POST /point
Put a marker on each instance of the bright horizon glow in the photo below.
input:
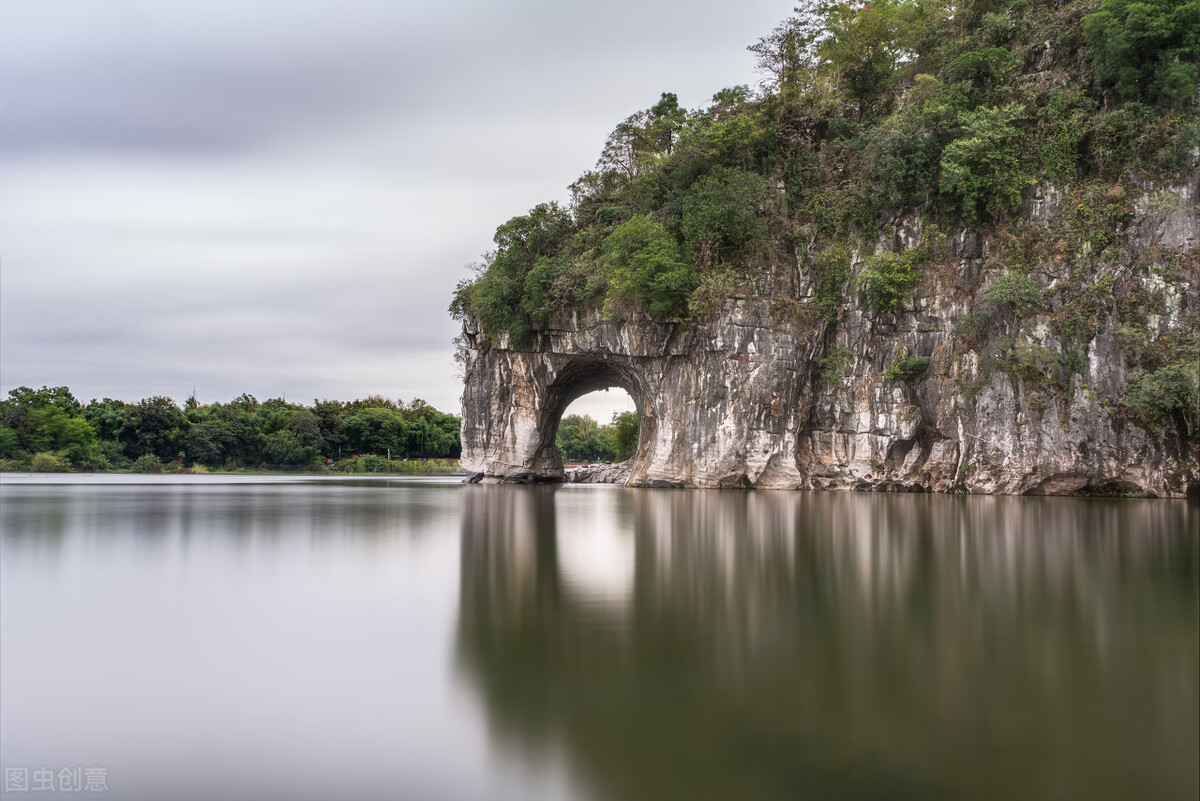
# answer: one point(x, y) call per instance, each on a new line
point(602, 404)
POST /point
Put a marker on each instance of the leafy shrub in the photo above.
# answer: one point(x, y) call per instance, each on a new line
point(1170, 392)
point(1016, 291)
point(1131, 341)
point(369, 463)
point(49, 463)
point(905, 163)
point(907, 368)
point(495, 297)
point(832, 268)
point(733, 132)
point(1076, 320)
point(1098, 215)
point(789, 310)
point(842, 211)
point(1139, 137)
point(714, 288)
point(834, 365)
point(625, 434)
point(722, 214)
point(982, 172)
point(50, 421)
point(646, 270)
point(10, 442)
point(905, 149)
point(1061, 132)
point(890, 276)
point(581, 439)
point(1145, 50)
point(147, 463)
point(538, 290)
point(973, 328)
point(982, 72)
point(286, 449)
point(159, 427)
point(1029, 361)
point(863, 41)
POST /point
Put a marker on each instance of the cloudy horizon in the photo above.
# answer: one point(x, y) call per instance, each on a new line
point(279, 200)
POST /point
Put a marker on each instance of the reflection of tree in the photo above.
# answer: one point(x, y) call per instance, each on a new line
point(265, 513)
point(781, 645)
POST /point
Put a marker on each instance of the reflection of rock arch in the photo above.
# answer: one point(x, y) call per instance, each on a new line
point(779, 645)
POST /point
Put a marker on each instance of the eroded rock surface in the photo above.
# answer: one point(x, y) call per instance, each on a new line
point(743, 401)
point(598, 473)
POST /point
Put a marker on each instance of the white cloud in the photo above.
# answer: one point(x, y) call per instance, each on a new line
point(281, 197)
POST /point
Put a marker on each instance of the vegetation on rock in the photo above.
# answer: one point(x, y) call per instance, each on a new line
point(1020, 140)
point(907, 368)
point(1016, 292)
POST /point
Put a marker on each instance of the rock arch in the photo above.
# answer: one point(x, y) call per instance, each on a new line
point(717, 406)
point(740, 402)
point(770, 391)
point(577, 377)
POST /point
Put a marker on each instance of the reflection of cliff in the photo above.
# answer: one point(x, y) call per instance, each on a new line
point(832, 645)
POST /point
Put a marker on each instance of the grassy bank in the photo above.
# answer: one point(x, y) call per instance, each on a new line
point(410, 467)
point(358, 465)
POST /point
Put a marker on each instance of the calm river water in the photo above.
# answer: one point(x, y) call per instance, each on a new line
point(201, 637)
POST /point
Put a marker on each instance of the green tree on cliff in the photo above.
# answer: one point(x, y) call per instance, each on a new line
point(1148, 50)
point(645, 268)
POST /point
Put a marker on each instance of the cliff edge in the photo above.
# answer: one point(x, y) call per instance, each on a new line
point(974, 267)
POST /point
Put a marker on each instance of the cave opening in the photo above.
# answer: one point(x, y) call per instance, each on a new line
point(601, 426)
point(594, 413)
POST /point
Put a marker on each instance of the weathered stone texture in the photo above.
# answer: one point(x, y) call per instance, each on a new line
point(738, 401)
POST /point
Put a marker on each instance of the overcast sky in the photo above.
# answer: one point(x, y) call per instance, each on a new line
point(279, 197)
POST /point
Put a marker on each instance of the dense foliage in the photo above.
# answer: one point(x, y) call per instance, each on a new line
point(1165, 386)
point(950, 110)
point(1002, 150)
point(1146, 50)
point(48, 429)
point(580, 439)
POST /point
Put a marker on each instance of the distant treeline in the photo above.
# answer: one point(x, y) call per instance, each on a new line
point(581, 439)
point(48, 429)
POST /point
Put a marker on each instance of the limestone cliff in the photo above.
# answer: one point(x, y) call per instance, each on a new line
point(761, 396)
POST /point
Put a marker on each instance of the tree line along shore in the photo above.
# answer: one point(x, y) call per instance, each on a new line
point(48, 430)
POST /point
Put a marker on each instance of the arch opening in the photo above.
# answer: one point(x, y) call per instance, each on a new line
point(600, 426)
point(581, 380)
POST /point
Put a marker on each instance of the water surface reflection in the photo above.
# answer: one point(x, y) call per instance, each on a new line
point(777, 645)
point(209, 639)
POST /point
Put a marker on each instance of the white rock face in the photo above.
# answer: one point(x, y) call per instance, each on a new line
point(598, 473)
point(740, 402)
